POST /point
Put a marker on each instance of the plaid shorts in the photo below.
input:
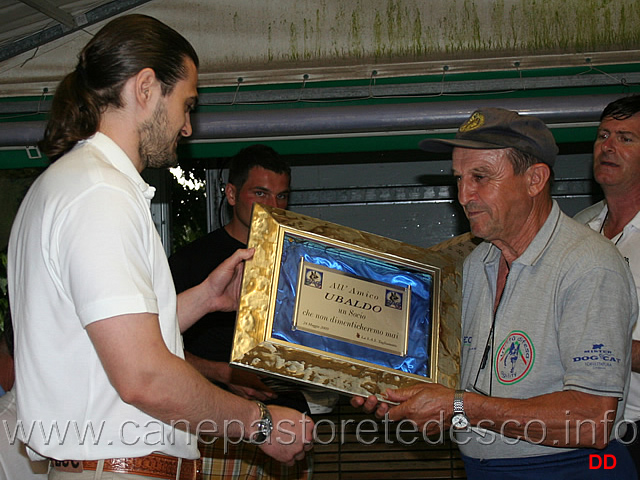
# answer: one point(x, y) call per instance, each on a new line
point(244, 461)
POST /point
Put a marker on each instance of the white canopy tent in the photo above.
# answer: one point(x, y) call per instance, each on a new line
point(292, 59)
point(296, 41)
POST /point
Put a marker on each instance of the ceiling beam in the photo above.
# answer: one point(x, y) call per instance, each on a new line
point(399, 91)
point(356, 120)
point(51, 10)
point(98, 14)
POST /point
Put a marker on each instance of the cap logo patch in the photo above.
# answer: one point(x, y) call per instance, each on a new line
point(475, 121)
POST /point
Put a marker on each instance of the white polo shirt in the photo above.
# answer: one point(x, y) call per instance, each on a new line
point(628, 242)
point(84, 248)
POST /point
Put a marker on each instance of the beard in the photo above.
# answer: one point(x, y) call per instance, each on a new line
point(157, 148)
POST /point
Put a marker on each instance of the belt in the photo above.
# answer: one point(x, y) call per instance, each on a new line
point(153, 465)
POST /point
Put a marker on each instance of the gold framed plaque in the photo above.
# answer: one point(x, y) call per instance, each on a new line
point(334, 307)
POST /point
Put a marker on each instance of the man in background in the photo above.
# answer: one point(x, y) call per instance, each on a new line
point(257, 174)
point(15, 464)
point(616, 168)
point(7, 372)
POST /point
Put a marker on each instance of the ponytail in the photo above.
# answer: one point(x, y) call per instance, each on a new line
point(73, 117)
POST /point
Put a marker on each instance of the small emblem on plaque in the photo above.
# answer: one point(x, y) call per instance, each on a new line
point(313, 278)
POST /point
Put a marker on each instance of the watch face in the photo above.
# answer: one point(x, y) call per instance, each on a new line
point(459, 421)
point(261, 435)
point(263, 426)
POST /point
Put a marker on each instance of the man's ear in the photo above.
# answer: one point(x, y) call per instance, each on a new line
point(146, 86)
point(538, 176)
point(230, 192)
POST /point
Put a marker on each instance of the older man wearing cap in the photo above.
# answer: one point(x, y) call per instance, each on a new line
point(548, 309)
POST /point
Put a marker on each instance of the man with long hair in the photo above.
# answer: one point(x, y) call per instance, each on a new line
point(96, 316)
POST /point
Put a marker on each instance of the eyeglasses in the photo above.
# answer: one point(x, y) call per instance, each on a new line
point(488, 349)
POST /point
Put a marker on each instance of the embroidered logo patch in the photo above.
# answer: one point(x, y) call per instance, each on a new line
point(598, 356)
point(475, 121)
point(515, 358)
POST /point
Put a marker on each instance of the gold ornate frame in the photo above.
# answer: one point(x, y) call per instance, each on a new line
point(255, 349)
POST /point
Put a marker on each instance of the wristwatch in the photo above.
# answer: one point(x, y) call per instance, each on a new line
point(459, 421)
point(264, 426)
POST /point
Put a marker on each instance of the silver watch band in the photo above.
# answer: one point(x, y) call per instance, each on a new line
point(264, 425)
point(458, 402)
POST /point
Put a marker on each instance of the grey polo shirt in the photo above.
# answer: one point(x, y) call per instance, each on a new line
point(564, 323)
